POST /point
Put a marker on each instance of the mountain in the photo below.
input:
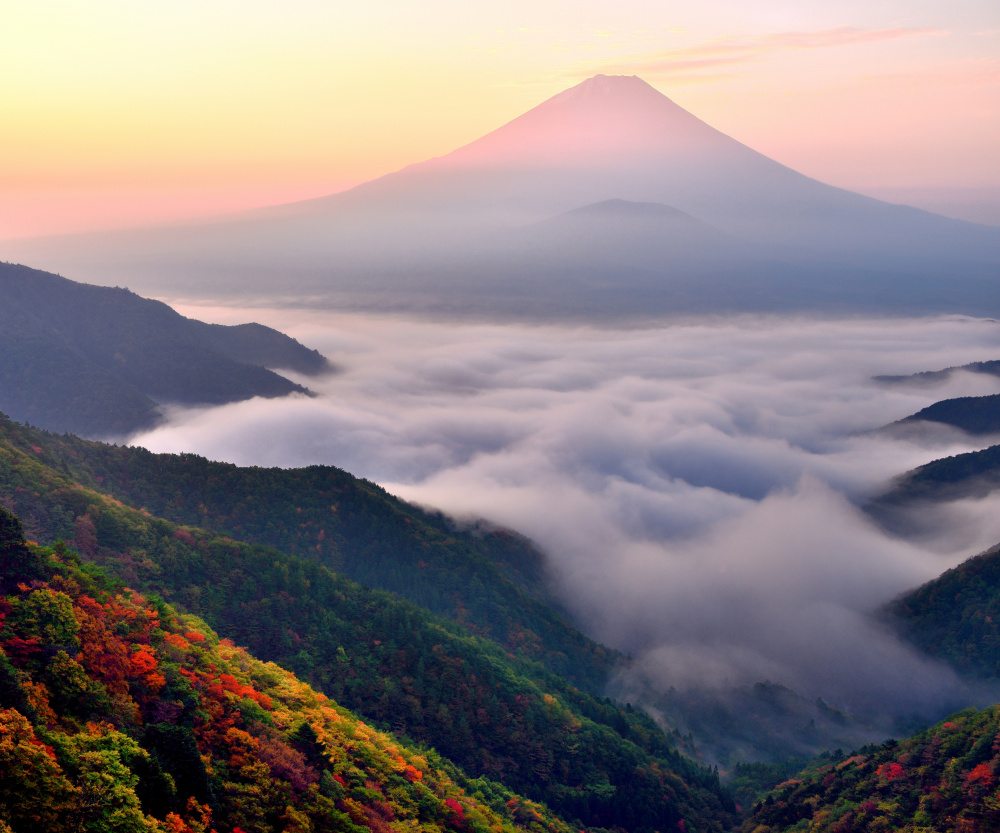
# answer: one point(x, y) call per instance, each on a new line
point(450, 232)
point(975, 415)
point(99, 361)
point(494, 711)
point(906, 506)
point(118, 713)
point(973, 474)
point(933, 377)
point(944, 778)
point(957, 616)
point(764, 723)
point(491, 581)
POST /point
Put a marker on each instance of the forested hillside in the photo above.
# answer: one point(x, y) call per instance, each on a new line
point(973, 474)
point(425, 677)
point(491, 581)
point(957, 615)
point(972, 414)
point(119, 714)
point(98, 360)
point(943, 779)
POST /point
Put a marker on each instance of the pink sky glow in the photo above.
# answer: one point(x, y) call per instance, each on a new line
point(128, 114)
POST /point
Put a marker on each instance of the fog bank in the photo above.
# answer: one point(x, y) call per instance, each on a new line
point(694, 485)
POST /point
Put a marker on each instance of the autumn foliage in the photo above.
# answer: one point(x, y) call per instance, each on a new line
point(942, 779)
point(119, 714)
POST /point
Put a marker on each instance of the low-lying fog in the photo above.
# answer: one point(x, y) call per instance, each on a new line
point(694, 484)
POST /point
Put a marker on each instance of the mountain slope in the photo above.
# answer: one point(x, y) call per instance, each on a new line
point(425, 677)
point(119, 714)
point(438, 233)
point(616, 137)
point(973, 474)
point(942, 779)
point(972, 414)
point(491, 581)
point(930, 377)
point(97, 361)
point(957, 615)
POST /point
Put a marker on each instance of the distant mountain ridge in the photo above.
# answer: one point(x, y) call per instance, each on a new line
point(929, 377)
point(98, 361)
point(975, 415)
point(973, 474)
point(443, 233)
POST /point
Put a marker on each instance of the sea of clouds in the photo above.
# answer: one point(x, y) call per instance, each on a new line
point(694, 484)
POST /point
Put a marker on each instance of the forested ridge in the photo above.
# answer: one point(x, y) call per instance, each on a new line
point(117, 713)
point(490, 580)
point(428, 678)
point(930, 377)
point(439, 634)
point(957, 616)
point(973, 474)
point(972, 414)
point(942, 779)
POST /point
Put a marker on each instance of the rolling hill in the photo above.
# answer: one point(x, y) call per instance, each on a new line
point(933, 377)
point(973, 474)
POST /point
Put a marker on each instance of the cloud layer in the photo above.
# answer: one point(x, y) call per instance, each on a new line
point(694, 485)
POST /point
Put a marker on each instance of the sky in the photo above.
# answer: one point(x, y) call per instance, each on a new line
point(116, 113)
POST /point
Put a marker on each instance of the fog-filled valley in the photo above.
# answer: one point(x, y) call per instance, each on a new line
point(697, 485)
point(602, 473)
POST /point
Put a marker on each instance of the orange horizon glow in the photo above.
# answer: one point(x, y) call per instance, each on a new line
point(123, 115)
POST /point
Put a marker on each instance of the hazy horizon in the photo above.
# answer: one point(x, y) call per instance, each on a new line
point(606, 200)
point(251, 106)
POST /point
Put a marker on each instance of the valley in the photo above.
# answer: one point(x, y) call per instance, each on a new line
point(463, 635)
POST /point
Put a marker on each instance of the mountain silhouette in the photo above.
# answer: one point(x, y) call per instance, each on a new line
point(461, 230)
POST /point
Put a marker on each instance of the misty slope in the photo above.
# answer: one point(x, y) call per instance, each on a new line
point(438, 233)
point(942, 779)
point(620, 246)
point(425, 677)
point(97, 361)
point(763, 723)
point(957, 615)
point(117, 713)
point(929, 377)
point(974, 474)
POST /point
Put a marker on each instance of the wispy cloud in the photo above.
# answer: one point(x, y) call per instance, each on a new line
point(975, 72)
point(717, 54)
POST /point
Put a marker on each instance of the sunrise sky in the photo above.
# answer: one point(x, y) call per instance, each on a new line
point(117, 113)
